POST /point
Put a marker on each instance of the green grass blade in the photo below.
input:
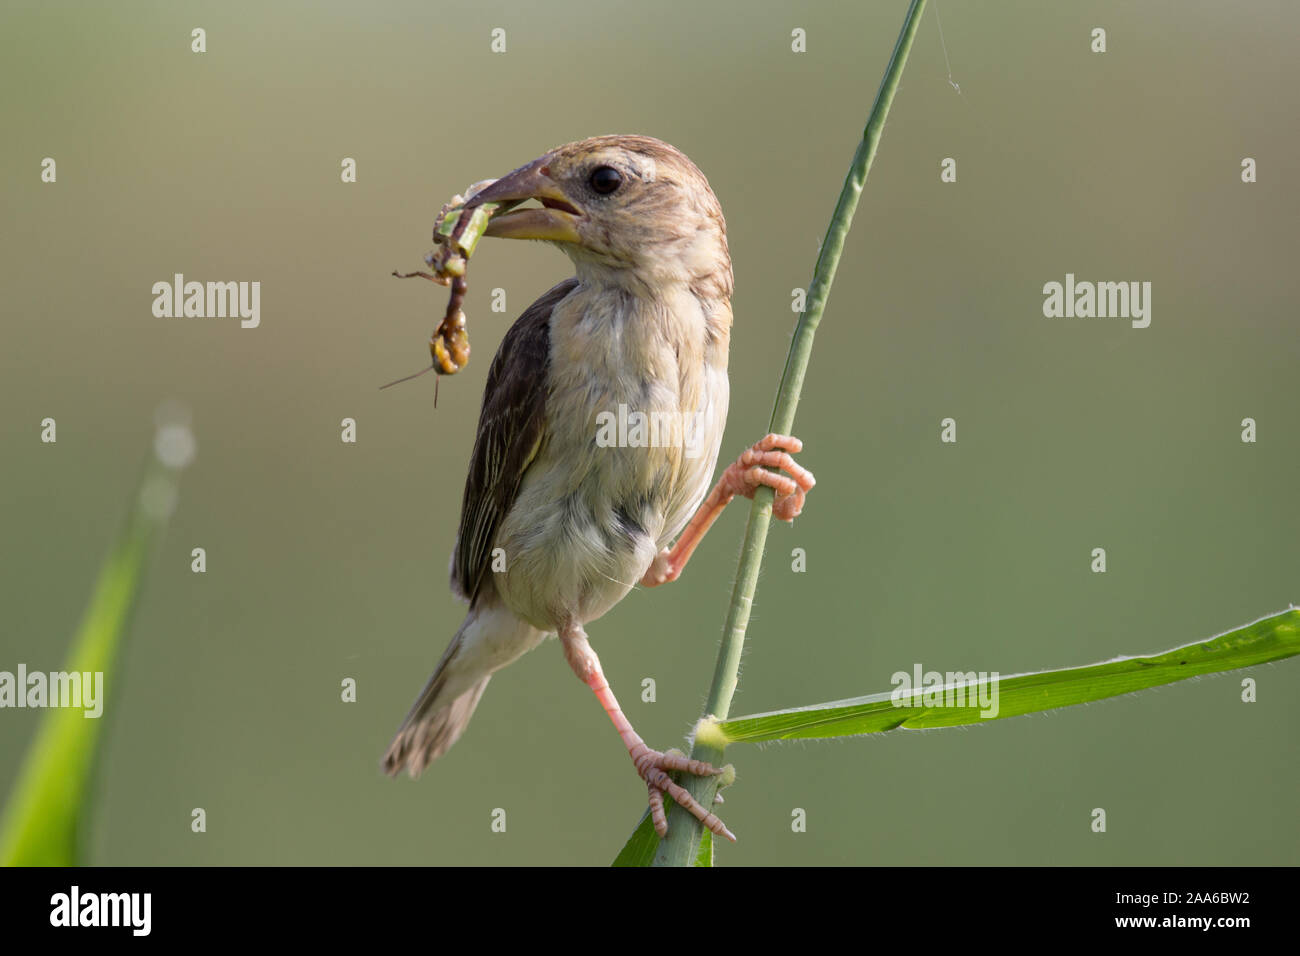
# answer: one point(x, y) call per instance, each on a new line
point(641, 845)
point(684, 832)
point(705, 856)
point(46, 808)
point(1268, 639)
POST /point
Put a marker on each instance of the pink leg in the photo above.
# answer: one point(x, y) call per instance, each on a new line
point(652, 765)
point(742, 477)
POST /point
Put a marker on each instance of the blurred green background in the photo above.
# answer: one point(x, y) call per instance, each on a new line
point(328, 561)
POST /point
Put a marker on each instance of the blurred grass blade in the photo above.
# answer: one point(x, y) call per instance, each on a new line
point(46, 807)
point(1268, 639)
point(641, 845)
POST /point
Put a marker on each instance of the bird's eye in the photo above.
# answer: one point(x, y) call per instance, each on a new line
point(606, 179)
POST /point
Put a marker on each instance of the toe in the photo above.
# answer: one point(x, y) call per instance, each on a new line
point(678, 761)
point(654, 767)
point(785, 442)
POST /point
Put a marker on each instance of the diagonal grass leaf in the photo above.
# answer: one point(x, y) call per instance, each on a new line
point(642, 844)
point(1271, 638)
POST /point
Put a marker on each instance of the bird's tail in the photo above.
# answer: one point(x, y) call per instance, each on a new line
point(488, 639)
point(427, 734)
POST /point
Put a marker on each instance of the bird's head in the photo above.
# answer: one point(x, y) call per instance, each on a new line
point(626, 209)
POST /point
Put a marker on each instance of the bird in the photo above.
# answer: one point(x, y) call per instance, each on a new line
point(599, 433)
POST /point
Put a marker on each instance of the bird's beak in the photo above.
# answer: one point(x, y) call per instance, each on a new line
point(557, 220)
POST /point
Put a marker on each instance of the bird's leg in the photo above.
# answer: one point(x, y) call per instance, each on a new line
point(652, 765)
point(420, 275)
point(742, 477)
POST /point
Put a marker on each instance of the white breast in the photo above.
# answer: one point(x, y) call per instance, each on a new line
point(592, 513)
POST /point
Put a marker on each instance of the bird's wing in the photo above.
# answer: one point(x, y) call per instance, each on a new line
point(511, 430)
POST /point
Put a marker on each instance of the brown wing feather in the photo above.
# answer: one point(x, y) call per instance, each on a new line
point(511, 428)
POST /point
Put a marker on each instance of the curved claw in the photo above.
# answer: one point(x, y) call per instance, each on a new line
point(653, 765)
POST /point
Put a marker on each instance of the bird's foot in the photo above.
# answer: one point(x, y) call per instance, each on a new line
point(750, 472)
point(742, 477)
point(654, 767)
